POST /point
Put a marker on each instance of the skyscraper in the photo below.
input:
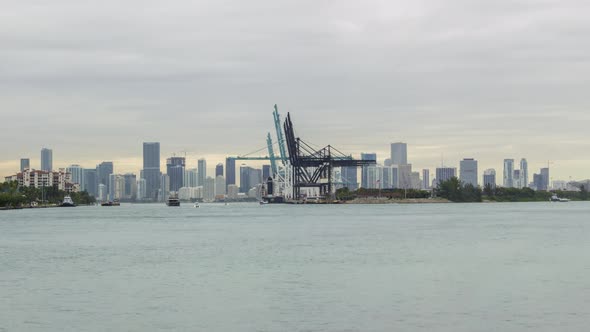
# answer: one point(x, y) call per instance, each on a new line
point(76, 174)
point(164, 187)
point(365, 169)
point(445, 173)
point(46, 160)
point(103, 171)
point(218, 170)
point(349, 177)
point(508, 173)
point(544, 179)
point(524, 173)
point(489, 178)
point(151, 169)
point(25, 163)
point(230, 171)
point(249, 178)
point(265, 172)
point(468, 171)
point(175, 170)
point(399, 153)
point(202, 166)
point(191, 178)
point(90, 183)
point(404, 176)
point(425, 179)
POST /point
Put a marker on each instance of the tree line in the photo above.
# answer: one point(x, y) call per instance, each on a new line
point(11, 195)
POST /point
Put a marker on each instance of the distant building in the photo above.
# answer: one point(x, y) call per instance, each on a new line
point(404, 176)
point(175, 171)
point(230, 172)
point(25, 163)
point(516, 179)
point(60, 179)
point(399, 153)
point(202, 166)
point(415, 181)
point(191, 178)
point(544, 178)
point(220, 189)
point(266, 172)
point(489, 178)
point(559, 185)
point(445, 173)
point(219, 170)
point(524, 173)
point(249, 177)
point(90, 183)
point(468, 171)
point(103, 171)
point(425, 179)
point(141, 189)
point(164, 187)
point(77, 174)
point(508, 173)
point(116, 186)
point(387, 162)
point(151, 169)
point(365, 182)
point(46, 160)
point(232, 191)
point(209, 189)
point(103, 194)
point(349, 177)
point(130, 189)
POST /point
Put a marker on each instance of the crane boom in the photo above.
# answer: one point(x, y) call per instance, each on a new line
point(271, 154)
point(280, 136)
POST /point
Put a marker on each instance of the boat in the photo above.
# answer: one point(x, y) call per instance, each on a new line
point(196, 205)
point(67, 202)
point(111, 203)
point(263, 202)
point(555, 198)
point(173, 201)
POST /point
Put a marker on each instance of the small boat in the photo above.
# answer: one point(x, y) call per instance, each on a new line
point(68, 202)
point(173, 201)
point(111, 203)
point(554, 198)
point(263, 202)
point(196, 205)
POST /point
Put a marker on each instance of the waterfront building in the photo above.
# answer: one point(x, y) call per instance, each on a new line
point(468, 171)
point(130, 189)
point(489, 178)
point(103, 171)
point(365, 169)
point(90, 182)
point(191, 178)
point(25, 163)
point(249, 177)
point(349, 177)
point(445, 173)
point(232, 191)
point(77, 174)
point(102, 192)
point(175, 171)
point(386, 177)
point(46, 160)
point(164, 188)
point(425, 179)
point(404, 176)
point(230, 172)
point(544, 179)
point(266, 173)
point(151, 169)
point(202, 167)
point(387, 162)
point(558, 185)
point(116, 186)
point(209, 189)
point(508, 173)
point(219, 170)
point(524, 173)
point(220, 189)
point(141, 189)
point(415, 182)
point(516, 179)
point(399, 153)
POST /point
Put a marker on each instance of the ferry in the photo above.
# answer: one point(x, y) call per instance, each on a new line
point(173, 201)
point(68, 202)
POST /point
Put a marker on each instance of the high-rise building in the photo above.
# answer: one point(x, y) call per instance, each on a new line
point(175, 171)
point(46, 160)
point(265, 172)
point(365, 169)
point(544, 178)
point(209, 189)
point(249, 178)
point(164, 187)
point(425, 179)
point(191, 178)
point(516, 180)
point(415, 181)
point(151, 169)
point(103, 171)
point(445, 173)
point(524, 173)
point(404, 176)
point(508, 173)
point(77, 174)
point(90, 183)
point(349, 177)
point(219, 170)
point(202, 166)
point(399, 153)
point(141, 189)
point(489, 178)
point(116, 186)
point(130, 189)
point(468, 171)
point(25, 163)
point(220, 189)
point(230, 172)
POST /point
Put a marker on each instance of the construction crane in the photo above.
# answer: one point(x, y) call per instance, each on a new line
point(280, 136)
point(271, 154)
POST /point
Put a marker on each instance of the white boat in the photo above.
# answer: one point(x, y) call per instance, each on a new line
point(554, 198)
point(68, 202)
point(196, 205)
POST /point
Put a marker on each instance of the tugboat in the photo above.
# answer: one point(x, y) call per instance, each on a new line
point(68, 202)
point(173, 200)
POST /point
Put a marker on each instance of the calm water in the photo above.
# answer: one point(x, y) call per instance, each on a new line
point(245, 267)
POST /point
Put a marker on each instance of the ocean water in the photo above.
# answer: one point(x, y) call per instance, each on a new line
point(245, 267)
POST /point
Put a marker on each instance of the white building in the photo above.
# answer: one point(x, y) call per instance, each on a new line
point(220, 187)
point(141, 189)
point(232, 191)
point(209, 189)
point(508, 173)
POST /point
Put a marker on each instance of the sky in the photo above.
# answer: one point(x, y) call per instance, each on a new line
point(490, 80)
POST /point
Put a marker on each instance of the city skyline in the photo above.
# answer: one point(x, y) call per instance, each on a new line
point(458, 78)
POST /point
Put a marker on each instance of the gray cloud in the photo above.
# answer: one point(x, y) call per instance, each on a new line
point(464, 78)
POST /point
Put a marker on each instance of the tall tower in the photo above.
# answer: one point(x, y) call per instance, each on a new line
point(230, 171)
point(524, 173)
point(151, 169)
point(202, 166)
point(46, 160)
point(25, 163)
point(508, 173)
point(399, 153)
point(468, 171)
point(219, 170)
point(175, 170)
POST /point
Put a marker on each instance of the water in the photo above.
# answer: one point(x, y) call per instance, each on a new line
point(245, 267)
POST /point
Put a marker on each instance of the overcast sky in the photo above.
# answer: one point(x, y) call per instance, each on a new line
point(484, 79)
